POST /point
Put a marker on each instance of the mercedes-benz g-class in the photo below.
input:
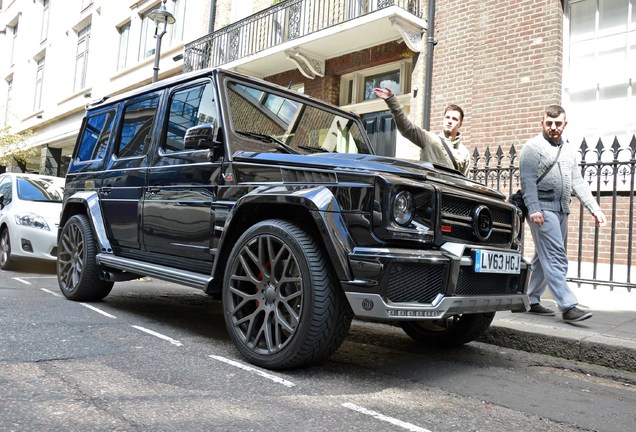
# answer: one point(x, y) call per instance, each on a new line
point(275, 203)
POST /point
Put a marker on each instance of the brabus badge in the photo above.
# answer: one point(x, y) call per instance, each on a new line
point(367, 304)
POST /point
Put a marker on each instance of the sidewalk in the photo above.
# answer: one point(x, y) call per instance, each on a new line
point(606, 339)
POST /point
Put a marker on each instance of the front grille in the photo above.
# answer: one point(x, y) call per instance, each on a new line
point(477, 284)
point(415, 283)
point(457, 213)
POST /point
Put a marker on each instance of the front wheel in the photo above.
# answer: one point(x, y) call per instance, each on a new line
point(449, 332)
point(77, 270)
point(6, 262)
point(282, 304)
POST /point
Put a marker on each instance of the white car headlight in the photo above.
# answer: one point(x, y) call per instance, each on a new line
point(32, 220)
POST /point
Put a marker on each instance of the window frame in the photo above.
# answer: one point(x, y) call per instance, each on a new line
point(355, 82)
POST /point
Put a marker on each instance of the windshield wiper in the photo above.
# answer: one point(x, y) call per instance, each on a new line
point(268, 139)
point(314, 149)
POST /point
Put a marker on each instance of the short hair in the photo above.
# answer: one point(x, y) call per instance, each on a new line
point(453, 107)
point(554, 111)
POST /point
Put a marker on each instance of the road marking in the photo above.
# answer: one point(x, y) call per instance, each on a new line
point(51, 292)
point(38, 277)
point(394, 421)
point(106, 314)
point(159, 335)
point(22, 280)
point(274, 378)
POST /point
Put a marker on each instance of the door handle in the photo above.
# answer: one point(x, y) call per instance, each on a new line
point(153, 190)
point(105, 190)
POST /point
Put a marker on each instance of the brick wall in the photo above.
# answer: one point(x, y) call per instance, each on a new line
point(500, 61)
point(328, 87)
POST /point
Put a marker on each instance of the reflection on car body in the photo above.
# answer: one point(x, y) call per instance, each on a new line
point(275, 203)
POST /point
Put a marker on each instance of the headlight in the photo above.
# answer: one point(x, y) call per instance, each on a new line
point(402, 210)
point(517, 224)
point(32, 220)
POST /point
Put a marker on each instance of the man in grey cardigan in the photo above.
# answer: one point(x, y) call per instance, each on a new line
point(447, 149)
point(548, 203)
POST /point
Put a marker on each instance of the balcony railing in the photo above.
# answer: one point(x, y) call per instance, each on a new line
point(286, 21)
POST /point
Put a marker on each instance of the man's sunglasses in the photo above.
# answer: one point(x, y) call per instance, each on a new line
point(549, 123)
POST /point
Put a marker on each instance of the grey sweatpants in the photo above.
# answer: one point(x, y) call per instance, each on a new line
point(550, 262)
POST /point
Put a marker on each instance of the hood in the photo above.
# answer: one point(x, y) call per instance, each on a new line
point(411, 169)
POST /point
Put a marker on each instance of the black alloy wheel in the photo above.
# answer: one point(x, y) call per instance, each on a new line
point(283, 307)
point(77, 270)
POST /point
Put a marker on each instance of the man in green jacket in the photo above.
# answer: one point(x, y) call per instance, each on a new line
point(445, 149)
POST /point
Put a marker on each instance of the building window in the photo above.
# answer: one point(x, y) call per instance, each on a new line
point(600, 70)
point(86, 4)
point(147, 40)
point(39, 80)
point(358, 87)
point(179, 13)
point(13, 41)
point(81, 58)
point(7, 106)
point(45, 20)
point(122, 55)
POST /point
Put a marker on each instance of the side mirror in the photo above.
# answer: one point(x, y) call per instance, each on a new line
point(1, 201)
point(202, 137)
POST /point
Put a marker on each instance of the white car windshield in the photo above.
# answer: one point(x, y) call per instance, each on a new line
point(39, 189)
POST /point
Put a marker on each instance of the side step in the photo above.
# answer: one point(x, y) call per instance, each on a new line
point(170, 274)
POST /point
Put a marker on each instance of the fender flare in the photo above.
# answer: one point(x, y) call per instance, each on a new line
point(325, 211)
point(90, 201)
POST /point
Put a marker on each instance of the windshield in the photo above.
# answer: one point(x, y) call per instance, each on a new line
point(40, 189)
point(293, 125)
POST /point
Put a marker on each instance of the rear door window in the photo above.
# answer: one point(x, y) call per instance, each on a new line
point(136, 129)
point(95, 137)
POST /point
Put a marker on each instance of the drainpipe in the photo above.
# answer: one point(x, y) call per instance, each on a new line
point(428, 78)
point(212, 16)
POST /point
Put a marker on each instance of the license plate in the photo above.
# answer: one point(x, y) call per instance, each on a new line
point(487, 261)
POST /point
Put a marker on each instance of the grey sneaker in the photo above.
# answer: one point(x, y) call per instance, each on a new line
point(575, 314)
point(537, 309)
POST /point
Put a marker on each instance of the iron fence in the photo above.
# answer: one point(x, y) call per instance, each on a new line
point(278, 24)
point(602, 256)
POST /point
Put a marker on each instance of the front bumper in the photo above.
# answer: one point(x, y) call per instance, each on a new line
point(406, 284)
point(27, 242)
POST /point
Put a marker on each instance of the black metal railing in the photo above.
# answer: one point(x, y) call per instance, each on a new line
point(285, 21)
point(603, 256)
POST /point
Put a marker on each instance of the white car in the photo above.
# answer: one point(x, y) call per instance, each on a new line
point(30, 207)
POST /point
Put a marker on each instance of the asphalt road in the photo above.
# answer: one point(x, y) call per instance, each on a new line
point(156, 357)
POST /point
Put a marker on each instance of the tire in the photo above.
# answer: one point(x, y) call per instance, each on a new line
point(282, 304)
point(6, 262)
point(77, 270)
point(450, 332)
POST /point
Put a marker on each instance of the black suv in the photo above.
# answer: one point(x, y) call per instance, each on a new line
point(274, 203)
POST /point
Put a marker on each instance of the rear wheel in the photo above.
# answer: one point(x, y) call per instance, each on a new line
point(77, 270)
point(282, 304)
point(452, 331)
point(6, 262)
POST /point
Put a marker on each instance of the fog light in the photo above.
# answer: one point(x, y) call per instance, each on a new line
point(27, 246)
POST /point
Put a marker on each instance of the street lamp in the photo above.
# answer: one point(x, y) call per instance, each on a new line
point(160, 16)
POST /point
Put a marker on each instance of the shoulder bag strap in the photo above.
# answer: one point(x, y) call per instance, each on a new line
point(450, 153)
point(551, 165)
